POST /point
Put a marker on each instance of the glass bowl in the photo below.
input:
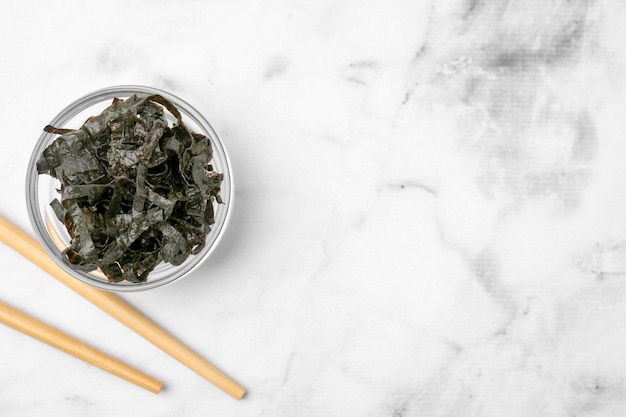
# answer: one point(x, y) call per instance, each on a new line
point(42, 189)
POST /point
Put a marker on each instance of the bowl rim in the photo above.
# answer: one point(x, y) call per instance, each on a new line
point(74, 109)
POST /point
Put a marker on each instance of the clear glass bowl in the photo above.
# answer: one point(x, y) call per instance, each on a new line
point(42, 189)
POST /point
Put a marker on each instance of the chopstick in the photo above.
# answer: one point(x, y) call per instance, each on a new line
point(28, 247)
point(24, 323)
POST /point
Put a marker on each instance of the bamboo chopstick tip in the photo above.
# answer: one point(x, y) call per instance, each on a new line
point(238, 394)
point(157, 388)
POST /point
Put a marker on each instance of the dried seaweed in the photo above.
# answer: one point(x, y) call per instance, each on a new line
point(135, 191)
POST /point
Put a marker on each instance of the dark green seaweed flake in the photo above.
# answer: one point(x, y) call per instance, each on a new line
point(134, 191)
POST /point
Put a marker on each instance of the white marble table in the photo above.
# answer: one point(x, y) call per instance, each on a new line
point(430, 213)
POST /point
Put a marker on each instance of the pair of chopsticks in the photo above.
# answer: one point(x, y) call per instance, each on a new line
point(113, 305)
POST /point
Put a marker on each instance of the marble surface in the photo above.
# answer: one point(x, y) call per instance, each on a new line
point(430, 213)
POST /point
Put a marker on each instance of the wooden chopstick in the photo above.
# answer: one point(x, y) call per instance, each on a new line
point(28, 247)
point(24, 323)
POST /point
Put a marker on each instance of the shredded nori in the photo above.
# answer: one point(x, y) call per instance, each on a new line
point(134, 191)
